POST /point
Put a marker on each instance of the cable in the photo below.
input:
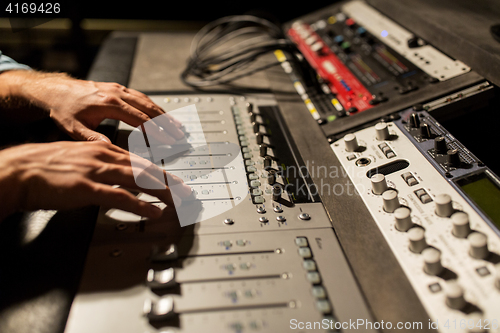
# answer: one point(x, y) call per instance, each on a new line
point(227, 49)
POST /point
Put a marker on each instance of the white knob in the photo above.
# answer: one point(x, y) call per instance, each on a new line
point(444, 207)
point(432, 261)
point(461, 225)
point(351, 143)
point(403, 219)
point(454, 295)
point(417, 239)
point(379, 184)
point(382, 131)
point(390, 200)
point(478, 245)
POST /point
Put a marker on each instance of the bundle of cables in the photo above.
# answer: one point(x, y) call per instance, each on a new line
point(227, 49)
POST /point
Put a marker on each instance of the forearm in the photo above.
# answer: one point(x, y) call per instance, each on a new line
point(26, 95)
point(31, 86)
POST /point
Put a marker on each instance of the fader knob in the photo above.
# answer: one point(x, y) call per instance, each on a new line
point(414, 120)
point(379, 184)
point(403, 219)
point(382, 131)
point(440, 145)
point(432, 261)
point(390, 200)
point(454, 295)
point(416, 236)
point(351, 142)
point(444, 207)
point(461, 225)
point(478, 245)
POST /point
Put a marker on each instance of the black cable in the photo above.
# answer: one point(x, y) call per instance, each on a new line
point(217, 57)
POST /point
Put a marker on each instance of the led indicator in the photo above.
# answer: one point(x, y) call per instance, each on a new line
point(384, 33)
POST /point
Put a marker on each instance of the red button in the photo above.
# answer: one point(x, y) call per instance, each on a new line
point(349, 21)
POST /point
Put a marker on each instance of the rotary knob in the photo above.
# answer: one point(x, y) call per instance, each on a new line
point(454, 295)
point(271, 177)
point(461, 225)
point(403, 219)
point(268, 161)
point(249, 107)
point(379, 184)
point(453, 158)
point(416, 236)
point(444, 207)
point(432, 261)
point(414, 120)
point(390, 200)
point(253, 117)
point(277, 192)
point(382, 131)
point(263, 150)
point(259, 138)
point(478, 245)
point(425, 131)
point(256, 127)
point(351, 142)
point(440, 145)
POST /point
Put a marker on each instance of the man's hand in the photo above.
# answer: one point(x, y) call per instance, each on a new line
point(66, 175)
point(78, 106)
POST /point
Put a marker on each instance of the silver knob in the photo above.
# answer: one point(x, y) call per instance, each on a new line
point(461, 225)
point(403, 219)
point(432, 261)
point(444, 207)
point(382, 131)
point(478, 245)
point(351, 143)
point(390, 200)
point(454, 295)
point(417, 239)
point(379, 184)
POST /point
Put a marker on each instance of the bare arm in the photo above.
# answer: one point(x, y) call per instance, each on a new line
point(67, 175)
point(78, 106)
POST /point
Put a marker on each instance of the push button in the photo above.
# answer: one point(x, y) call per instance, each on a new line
point(301, 241)
point(305, 252)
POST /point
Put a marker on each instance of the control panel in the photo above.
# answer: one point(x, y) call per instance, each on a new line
point(435, 203)
point(353, 58)
point(269, 262)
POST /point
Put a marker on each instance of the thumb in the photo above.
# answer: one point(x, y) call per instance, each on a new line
point(86, 134)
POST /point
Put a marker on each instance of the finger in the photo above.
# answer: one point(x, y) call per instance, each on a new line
point(153, 111)
point(134, 117)
point(141, 95)
point(134, 179)
point(175, 183)
point(119, 198)
point(83, 133)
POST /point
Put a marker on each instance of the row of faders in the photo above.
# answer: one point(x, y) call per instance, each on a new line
point(265, 261)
